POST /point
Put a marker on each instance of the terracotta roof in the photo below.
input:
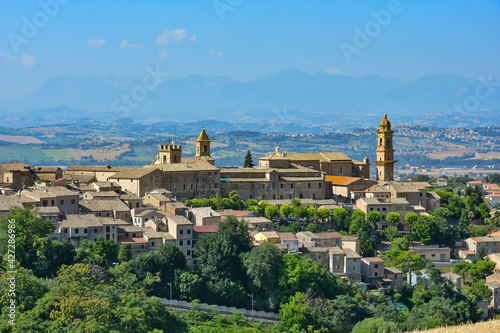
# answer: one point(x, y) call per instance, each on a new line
point(130, 240)
point(342, 181)
point(287, 236)
point(474, 182)
point(204, 212)
point(493, 195)
point(270, 234)
point(205, 228)
point(464, 250)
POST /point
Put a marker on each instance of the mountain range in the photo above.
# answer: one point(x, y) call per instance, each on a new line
point(288, 96)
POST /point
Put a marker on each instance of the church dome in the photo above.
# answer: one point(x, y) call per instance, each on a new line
point(385, 122)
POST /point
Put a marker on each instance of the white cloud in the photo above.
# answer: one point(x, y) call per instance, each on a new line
point(26, 60)
point(96, 42)
point(332, 70)
point(162, 55)
point(133, 46)
point(171, 36)
point(215, 52)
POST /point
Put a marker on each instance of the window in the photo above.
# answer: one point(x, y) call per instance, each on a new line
point(375, 274)
point(134, 235)
point(337, 257)
point(152, 243)
point(98, 213)
point(126, 234)
point(433, 255)
point(188, 242)
point(291, 185)
point(95, 239)
point(181, 243)
point(354, 268)
point(384, 209)
point(336, 266)
point(85, 231)
point(319, 185)
point(95, 230)
point(44, 203)
point(308, 184)
point(65, 230)
point(142, 246)
point(72, 212)
point(188, 252)
point(184, 186)
point(181, 232)
point(189, 231)
point(73, 201)
point(341, 169)
point(376, 266)
point(76, 231)
point(107, 228)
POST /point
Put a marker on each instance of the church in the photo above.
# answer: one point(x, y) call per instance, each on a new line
point(278, 176)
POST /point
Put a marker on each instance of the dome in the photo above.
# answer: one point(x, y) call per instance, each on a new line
point(385, 122)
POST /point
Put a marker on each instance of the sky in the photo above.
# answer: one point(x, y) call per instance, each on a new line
point(244, 39)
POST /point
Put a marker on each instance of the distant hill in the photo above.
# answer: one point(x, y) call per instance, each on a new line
point(288, 96)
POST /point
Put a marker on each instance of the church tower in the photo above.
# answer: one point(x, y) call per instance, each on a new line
point(203, 144)
point(169, 154)
point(385, 152)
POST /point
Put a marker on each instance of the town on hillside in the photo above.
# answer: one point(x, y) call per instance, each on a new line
point(377, 234)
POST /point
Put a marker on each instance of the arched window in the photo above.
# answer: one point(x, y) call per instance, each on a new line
point(164, 159)
point(381, 141)
point(204, 149)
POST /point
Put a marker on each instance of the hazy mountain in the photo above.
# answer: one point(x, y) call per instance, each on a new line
point(285, 96)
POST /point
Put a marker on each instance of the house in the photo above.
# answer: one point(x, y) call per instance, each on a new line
point(289, 241)
point(106, 208)
point(433, 253)
point(384, 206)
point(490, 243)
point(175, 208)
point(133, 236)
point(372, 268)
point(267, 236)
point(76, 228)
point(352, 265)
point(106, 186)
point(131, 200)
point(442, 182)
point(204, 216)
point(102, 195)
point(15, 175)
point(352, 243)
point(99, 173)
point(337, 261)
point(182, 230)
point(140, 216)
point(495, 291)
point(474, 183)
point(66, 200)
point(156, 199)
point(307, 239)
point(137, 180)
point(396, 277)
point(464, 253)
point(492, 199)
point(348, 187)
point(258, 222)
point(455, 278)
point(328, 239)
point(491, 188)
point(496, 258)
point(319, 254)
point(47, 173)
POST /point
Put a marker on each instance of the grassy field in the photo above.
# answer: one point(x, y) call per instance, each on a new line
point(491, 326)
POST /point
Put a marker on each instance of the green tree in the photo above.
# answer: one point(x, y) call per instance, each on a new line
point(411, 219)
point(401, 243)
point(374, 217)
point(478, 231)
point(272, 211)
point(27, 227)
point(312, 227)
point(393, 218)
point(296, 314)
point(296, 202)
point(341, 217)
point(323, 214)
point(286, 210)
point(125, 254)
point(263, 265)
point(300, 212)
point(481, 269)
point(375, 325)
point(261, 208)
point(311, 212)
point(404, 260)
point(482, 253)
point(359, 223)
point(425, 228)
point(188, 285)
point(358, 214)
point(480, 290)
point(248, 160)
point(51, 255)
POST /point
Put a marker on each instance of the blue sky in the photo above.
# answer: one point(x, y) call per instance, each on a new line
point(244, 39)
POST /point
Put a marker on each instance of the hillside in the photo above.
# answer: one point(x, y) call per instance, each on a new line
point(482, 327)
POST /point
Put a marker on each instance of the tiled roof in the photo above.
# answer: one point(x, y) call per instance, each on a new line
point(204, 212)
point(198, 165)
point(94, 168)
point(287, 236)
point(203, 136)
point(104, 194)
point(392, 270)
point(6, 202)
point(350, 254)
point(131, 241)
point(205, 228)
point(270, 234)
point(328, 235)
point(132, 173)
point(81, 221)
point(17, 166)
point(179, 220)
point(373, 259)
point(44, 169)
point(48, 210)
point(102, 205)
point(493, 195)
point(110, 221)
point(342, 181)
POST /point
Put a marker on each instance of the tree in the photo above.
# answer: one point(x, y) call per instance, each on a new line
point(286, 210)
point(425, 229)
point(359, 223)
point(480, 290)
point(188, 284)
point(323, 214)
point(341, 217)
point(443, 212)
point(401, 243)
point(105, 251)
point(445, 233)
point(261, 208)
point(51, 255)
point(404, 260)
point(311, 212)
point(272, 211)
point(393, 218)
point(358, 214)
point(494, 178)
point(125, 254)
point(300, 212)
point(482, 253)
point(374, 217)
point(375, 325)
point(484, 210)
point(28, 226)
point(312, 227)
point(248, 160)
point(263, 265)
point(296, 202)
point(411, 219)
point(481, 269)
point(295, 314)
point(478, 231)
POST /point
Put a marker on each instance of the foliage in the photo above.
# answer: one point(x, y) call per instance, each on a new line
point(125, 254)
point(425, 228)
point(374, 217)
point(341, 217)
point(272, 211)
point(323, 213)
point(188, 285)
point(248, 160)
point(478, 231)
point(392, 233)
point(403, 260)
point(286, 210)
point(375, 325)
point(296, 314)
point(401, 243)
point(393, 218)
point(480, 290)
point(312, 227)
point(51, 255)
point(102, 252)
point(28, 227)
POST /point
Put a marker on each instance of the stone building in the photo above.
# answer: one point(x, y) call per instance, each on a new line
point(15, 175)
point(385, 151)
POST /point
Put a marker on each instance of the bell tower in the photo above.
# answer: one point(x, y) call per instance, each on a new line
point(203, 144)
point(169, 154)
point(385, 152)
